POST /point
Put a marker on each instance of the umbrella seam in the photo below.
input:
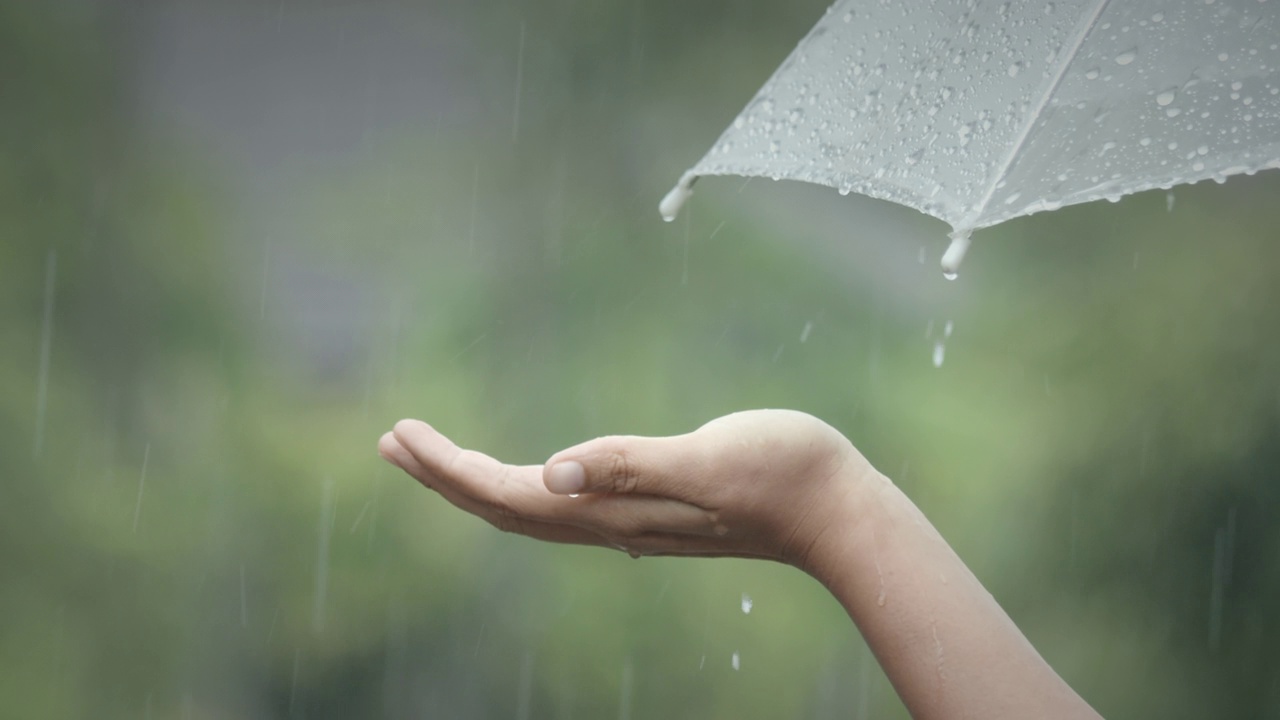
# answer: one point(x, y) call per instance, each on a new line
point(1070, 57)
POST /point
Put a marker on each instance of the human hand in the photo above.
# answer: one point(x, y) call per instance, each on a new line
point(759, 484)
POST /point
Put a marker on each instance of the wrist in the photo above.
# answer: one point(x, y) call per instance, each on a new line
point(842, 519)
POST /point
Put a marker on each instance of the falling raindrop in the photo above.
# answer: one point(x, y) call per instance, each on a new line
point(142, 483)
point(625, 691)
point(1216, 593)
point(746, 604)
point(475, 199)
point(515, 114)
point(804, 334)
point(46, 346)
point(939, 353)
point(322, 555)
point(736, 661)
point(524, 695)
point(1168, 201)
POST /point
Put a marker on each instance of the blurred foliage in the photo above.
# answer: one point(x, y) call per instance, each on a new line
point(195, 524)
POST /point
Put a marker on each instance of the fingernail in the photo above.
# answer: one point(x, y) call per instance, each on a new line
point(566, 477)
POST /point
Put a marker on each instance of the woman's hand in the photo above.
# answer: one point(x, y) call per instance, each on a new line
point(785, 486)
point(756, 484)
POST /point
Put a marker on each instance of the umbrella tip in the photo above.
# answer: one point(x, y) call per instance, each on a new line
point(954, 255)
point(674, 200)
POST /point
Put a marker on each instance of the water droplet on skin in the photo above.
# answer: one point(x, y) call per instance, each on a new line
point(573, 495)
point(880, 598)
point(746, 604)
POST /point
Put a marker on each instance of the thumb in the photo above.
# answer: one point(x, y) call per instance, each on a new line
point(618, 464)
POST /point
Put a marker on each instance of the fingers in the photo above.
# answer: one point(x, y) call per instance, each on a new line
point(395, 453)
point(627, 465)
point(511, 497)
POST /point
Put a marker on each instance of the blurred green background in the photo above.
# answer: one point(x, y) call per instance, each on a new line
point(240, 240)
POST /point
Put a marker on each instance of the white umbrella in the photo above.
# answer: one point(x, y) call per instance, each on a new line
point(979, 111)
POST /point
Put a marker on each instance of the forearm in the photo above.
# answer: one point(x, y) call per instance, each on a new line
point(944, 642)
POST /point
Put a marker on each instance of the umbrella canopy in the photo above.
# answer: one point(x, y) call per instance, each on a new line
point(979, 111)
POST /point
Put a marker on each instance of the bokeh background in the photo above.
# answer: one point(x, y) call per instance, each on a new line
point(238, 240)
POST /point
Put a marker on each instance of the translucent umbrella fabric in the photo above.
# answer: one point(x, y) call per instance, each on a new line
point(976, 112)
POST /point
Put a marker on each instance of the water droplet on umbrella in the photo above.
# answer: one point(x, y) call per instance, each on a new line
point(954, 255)
point(1125, 58)
point(1166, 97)
point(677, 197)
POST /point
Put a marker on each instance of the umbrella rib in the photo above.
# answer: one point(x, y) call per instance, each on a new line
point(1068, 58)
